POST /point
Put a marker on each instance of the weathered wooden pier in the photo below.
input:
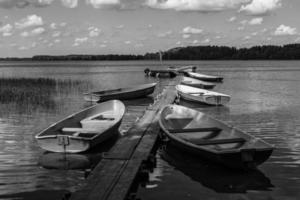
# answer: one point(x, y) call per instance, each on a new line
point(114, 175)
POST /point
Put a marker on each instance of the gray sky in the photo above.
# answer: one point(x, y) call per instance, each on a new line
point(55, 27)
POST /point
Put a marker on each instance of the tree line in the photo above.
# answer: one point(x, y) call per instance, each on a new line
point(265, 52)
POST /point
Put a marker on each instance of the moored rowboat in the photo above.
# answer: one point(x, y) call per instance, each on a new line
point(204, 77)
point(197, 83)
point(163, 73)
point(83, 130)
point(199, 134)
point(121, 93)
point(201, 95)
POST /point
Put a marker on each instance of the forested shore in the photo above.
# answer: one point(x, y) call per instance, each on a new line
point(266, 52)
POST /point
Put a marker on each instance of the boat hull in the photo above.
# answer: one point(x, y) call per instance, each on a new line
point(83, 130)
point(198, 134)
point(161, 73)
point(232, 160)
point(197, 83)
point(70, 144)
point(123, 94)
point(216, 99)
point(204, 77)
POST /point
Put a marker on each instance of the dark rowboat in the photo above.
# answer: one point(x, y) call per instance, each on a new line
point(162, 73)
point(209, 138)
point(204, 77)
point(83, 130)
point(121, 93)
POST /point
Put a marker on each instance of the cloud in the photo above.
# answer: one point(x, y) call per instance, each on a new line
point(260, 7)
point(34, 32)
point(94, 32)
point(53, 26)
point(232, 19)
point(285, 30)
point(191, 30)
point(206, 41)
point(56, 34)
point(70, 3)
point(29, 21)
point(256, 21)
point(38, 31)
point(247, 37)
point(79, 41)
point(186, 36)
point(165, 34)
point(195, 5)
point(103, 3)
point(8, 4)
point(6, 28)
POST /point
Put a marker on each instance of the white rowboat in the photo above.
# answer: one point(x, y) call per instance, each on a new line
point(83, 130)
point(201, 95)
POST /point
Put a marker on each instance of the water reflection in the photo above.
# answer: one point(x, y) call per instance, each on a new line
point(215, 177)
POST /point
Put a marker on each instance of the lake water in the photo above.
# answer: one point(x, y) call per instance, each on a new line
point(264, 102)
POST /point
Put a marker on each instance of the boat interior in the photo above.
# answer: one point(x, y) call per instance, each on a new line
point(92, 125)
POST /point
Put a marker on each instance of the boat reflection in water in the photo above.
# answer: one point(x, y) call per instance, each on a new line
point(213, 176)
point(82, 161)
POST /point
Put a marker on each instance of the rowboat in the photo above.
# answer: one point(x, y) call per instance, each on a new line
point(208, 173)
point(201, 95)
point(204, 77)
point(184, 69)
point(197, 83)
point(83, 130)
point(197, 133)
point(163, 73)
point(121, 93)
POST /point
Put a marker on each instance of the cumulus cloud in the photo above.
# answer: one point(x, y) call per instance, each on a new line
point(6, 28)
point(79, 41)
point(29, 21)
point(256, 21)
point(186, 36)
point(232, 19)
point(260, 7)
point(165, 34)
point(103, 3)
point(33, 32)
point(70, 3)
point(56, 34)
point(8, 4)
point(206, 41)
point(195, 5)
point(191, 30)
point(285, 30)
point(94, 32)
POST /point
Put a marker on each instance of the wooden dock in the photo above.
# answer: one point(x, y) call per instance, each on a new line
point(112, 178)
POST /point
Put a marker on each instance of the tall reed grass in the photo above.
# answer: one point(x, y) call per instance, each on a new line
point(35, 91)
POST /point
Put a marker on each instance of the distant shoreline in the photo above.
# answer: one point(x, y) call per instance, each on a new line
point(266, 52)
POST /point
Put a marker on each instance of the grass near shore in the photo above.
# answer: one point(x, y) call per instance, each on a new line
point(36, 91)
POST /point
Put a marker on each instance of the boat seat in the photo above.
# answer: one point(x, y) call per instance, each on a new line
point(98, 121)
point(193, 130)
point(81, 132)
point(218, 141)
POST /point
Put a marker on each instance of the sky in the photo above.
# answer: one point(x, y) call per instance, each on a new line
point(62, 27)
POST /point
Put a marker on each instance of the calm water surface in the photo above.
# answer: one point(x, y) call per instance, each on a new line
point(265, 102)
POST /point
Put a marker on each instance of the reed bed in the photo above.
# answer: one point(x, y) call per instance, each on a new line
point(35, 91)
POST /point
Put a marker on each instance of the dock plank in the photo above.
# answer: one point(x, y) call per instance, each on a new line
point(114, 175)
